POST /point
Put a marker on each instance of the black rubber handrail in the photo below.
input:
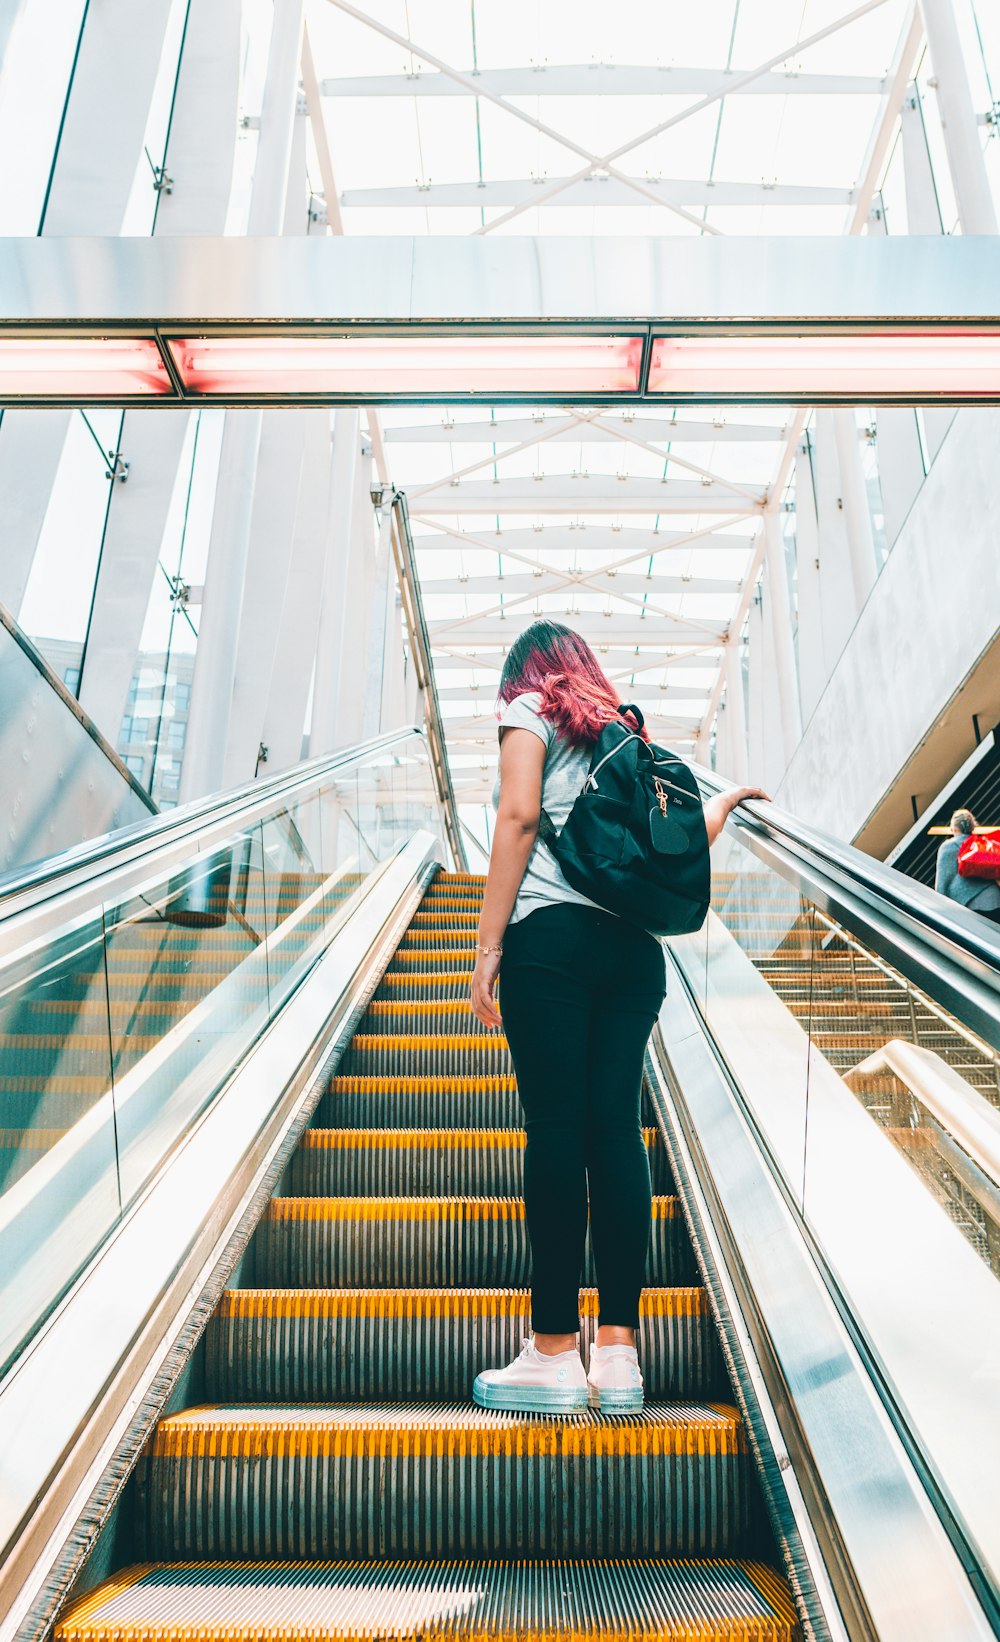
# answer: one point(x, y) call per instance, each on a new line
point(914, 928)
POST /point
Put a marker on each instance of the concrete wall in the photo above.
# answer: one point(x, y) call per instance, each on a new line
point(896, 716)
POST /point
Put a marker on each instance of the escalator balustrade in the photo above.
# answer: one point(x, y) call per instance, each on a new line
point(337, 1480)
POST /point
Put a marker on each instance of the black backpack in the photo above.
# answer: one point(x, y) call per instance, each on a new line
point(635, 840)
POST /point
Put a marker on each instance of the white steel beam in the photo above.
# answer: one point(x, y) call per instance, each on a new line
point(298, 633)
point(583, 493)
point(626, 544)
point(597, 627)
point(487, 659)
point(857, 512)
point(515, 429)
point(735, 83)
point(610, 583)
point(119, 54)
point(779, 613)
point(605, 80)
point(476, 89)
point(200, 154)
point(218, 634)
point(272, 531)
point(593, 190)
point(735, 749)
point(976, 210)
point(343, 492)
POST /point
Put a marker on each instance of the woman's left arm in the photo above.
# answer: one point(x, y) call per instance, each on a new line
point(719, 808)
point(522, 761)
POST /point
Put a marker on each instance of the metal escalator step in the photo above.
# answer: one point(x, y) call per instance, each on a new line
point(421, 1016)
point(441, 1480)
point(455, 1162)
point(438, 938)
point(427, 1055)
point(434, 958)
point(416, 1242)
point(635, 1601)
point(400, 985)
point(427, 917)
point(421, 1102)
point(346, 1345)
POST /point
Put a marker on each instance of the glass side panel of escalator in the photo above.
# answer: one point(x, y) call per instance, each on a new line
point(116, 1031)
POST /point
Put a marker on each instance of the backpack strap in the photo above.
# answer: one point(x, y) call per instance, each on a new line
point(546, 829)
point(633, 711)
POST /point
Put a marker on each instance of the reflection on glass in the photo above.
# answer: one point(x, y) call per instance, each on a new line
point(57, 1131)
point(117, 1034)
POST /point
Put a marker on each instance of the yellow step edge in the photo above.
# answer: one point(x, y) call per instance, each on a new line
point(87, 1620)
point(416, 1303)
point(363, 1140)
point(295, 1210)
point(425, 1040)
point(397, 1432)
point(437, 977)
point(500, 1082)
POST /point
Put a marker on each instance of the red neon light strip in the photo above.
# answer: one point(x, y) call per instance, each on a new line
point(862, 366)
point(540, 363)
point(93, 367)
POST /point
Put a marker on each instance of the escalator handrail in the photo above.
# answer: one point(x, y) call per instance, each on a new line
point(41, 880)
point(959, 936)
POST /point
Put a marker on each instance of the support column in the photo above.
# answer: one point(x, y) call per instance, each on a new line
point(857, 516)
point(737, 763)
point(976, 210)
point(923, 216)
point(811, 658)
point(288, 694)
point(380, 637)
point(838, 607)
point(900, 464)
point(343, 472)
point(755, 687)
point(780, 609)
point(200, 164)
point(272, 531)
point(356, 660)
point(218, 634)
point(115, 72)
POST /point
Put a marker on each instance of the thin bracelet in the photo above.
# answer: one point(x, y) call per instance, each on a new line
point(486, 950)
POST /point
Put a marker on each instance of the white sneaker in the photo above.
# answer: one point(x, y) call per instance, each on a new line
point(615, 1380)
point(535, 1382)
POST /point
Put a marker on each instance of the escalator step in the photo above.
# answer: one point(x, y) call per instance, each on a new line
point(428, 1015)
point(453, 1162)
point(426, 1055)
point(397, 986)
point(413, 1242)
point(437, 938)
point(441, 1480)
point(346, 1345)
point(447, 958)
point(412, 1102)
point(425, 918)
point(639, 1601)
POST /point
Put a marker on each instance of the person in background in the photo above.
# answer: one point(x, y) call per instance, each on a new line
point(981, 894)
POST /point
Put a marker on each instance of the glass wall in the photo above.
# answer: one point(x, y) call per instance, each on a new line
point(117, 1031)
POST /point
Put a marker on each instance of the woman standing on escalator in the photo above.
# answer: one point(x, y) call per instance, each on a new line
point(581, 990)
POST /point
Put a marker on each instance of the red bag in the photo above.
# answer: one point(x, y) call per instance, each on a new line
point(979, 856)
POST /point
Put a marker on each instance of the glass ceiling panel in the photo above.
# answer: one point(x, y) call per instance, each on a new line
point(501, 499)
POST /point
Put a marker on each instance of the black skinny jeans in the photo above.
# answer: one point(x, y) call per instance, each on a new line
point(579, 993)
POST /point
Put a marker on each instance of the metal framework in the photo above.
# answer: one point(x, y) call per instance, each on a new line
point(648, 512)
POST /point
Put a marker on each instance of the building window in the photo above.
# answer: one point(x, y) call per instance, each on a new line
point(71, 679)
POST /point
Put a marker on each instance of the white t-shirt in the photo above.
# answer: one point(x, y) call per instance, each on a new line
point(565, 771)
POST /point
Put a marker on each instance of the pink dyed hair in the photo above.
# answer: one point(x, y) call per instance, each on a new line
point(577, 696)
